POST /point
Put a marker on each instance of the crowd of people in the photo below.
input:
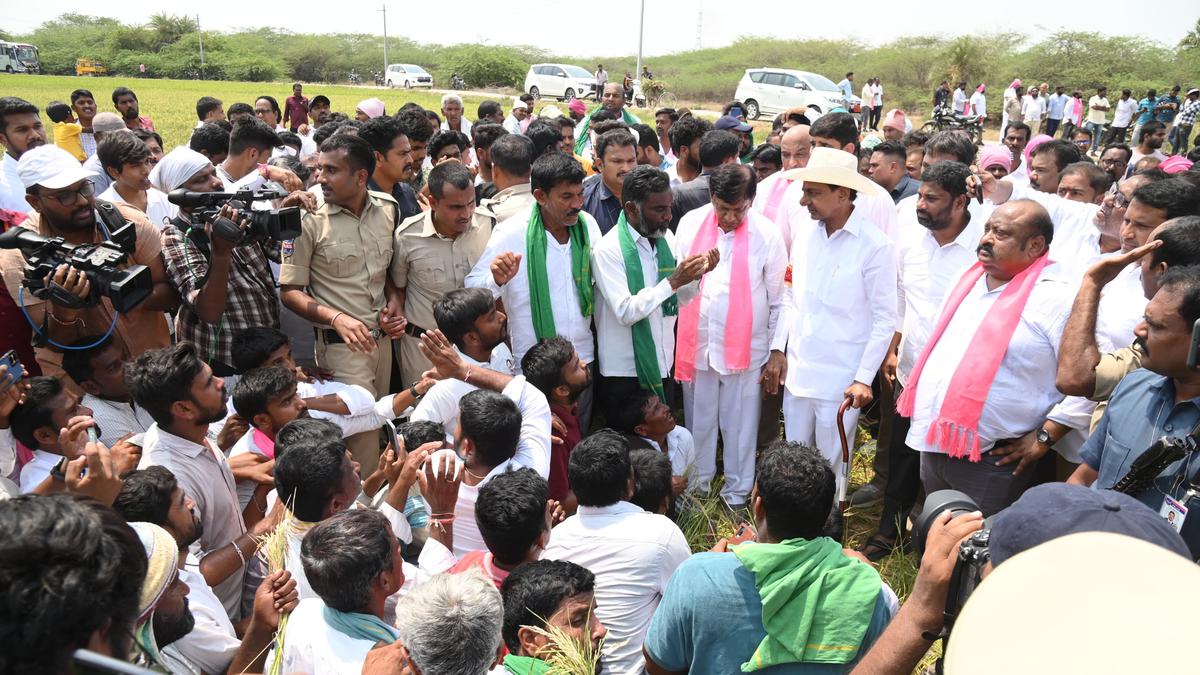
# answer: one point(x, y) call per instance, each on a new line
point(432, 428)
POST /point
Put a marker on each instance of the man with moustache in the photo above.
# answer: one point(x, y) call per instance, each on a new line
point(394, 166)
point(63, 204)
point(616, 154)
point(980, 390)
point(929, 261)
point(335, 275)
point(21, 130)
point(641, 285)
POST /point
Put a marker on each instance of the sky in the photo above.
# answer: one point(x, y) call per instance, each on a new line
point(671, 25)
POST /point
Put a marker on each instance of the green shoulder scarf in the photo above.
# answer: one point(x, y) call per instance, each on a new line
point(581, 142)
point(645, 354)
point(540, 303)
point(525, 665)
point(816, 602)
point(359, 626)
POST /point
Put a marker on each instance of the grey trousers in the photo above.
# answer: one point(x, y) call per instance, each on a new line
point(992, 487)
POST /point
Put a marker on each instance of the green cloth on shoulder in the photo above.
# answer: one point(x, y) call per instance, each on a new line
point(525, 665)
point(540, 303)
point(816, 602)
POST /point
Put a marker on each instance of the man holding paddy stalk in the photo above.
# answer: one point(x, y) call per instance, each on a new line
point(550, 618)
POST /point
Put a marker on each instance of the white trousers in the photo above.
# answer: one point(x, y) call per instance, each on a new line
point(729, 404)
point(813, 422)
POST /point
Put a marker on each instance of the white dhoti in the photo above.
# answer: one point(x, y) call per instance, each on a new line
point(813, 422)
point(729, 404)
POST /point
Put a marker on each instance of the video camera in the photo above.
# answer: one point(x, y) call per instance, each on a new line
point(125, 287)
point(277, 224)
point(973, 553)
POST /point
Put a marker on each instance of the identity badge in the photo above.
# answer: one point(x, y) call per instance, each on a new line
point(1174, 512)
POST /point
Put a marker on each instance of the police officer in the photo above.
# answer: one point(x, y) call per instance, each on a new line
point(335, 275)
point(512, 157)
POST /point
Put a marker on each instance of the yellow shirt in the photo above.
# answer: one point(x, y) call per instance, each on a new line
point(66, 136)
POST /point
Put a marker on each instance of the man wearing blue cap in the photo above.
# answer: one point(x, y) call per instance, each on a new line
point(744, 133)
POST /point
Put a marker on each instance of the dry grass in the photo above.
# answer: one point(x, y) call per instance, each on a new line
point(274, 548)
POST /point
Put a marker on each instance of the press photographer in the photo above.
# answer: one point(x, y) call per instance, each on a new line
point(1160, 400)
point(64, 205)
point(215, 259)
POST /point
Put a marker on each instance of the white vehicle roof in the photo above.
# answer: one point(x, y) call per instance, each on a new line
point(814, 78)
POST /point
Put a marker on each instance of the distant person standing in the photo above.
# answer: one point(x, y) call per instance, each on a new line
point(1056, 109)
point(601, 78)
point(864, 115)
point(142, 69)
point(846, 86)
point(1122, 118)
point(979, 102)
point(941, 95)
point(960, 99)
point(84, 105)
point(1033, 108)
point(1012, 106)
point(126, 103)
point(1097, 115)
point(876, 104)
point(295, 108)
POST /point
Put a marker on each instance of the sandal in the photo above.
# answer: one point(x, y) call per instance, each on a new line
point(876, 548)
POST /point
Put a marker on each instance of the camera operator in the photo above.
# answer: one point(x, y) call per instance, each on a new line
point(1161, 399)
point(245, 168)
point(224, 286)
point(64, 205)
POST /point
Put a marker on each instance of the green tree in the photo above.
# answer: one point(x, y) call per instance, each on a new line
point(1192, 39)
point(169, 29)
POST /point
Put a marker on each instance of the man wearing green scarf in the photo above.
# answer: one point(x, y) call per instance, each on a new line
point(539, 263)
point(791, 600)
point(549, 598)
point(613, 100)
point(641, 288)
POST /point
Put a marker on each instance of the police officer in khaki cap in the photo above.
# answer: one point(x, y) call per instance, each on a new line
point(335, 275)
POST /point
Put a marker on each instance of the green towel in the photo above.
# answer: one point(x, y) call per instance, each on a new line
point(581, 142)
point(816, 602)
point(525, 665)
point(645, 353)
point(359, 626)
point(540, 302)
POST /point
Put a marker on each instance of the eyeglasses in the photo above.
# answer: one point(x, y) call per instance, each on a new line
point(1120, 200)
point(68, 197)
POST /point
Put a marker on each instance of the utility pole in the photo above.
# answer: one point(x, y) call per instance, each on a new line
point(641, 30)
point(699, 26)
point(385, 43)
point(200, 36)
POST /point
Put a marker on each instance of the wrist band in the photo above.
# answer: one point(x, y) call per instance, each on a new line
point(241, 556)
point(467, 377)
point(413, 390)
point(334, 319)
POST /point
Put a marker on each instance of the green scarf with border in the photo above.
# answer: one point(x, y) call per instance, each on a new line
point(525, 665)
point(817, 603)
point(540, 303)
point(581, 142)
point(359, 626)
point(645, 354)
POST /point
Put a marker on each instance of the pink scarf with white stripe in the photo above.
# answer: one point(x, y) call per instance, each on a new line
point(739, 321)
point(775, 198)
point(955, 431)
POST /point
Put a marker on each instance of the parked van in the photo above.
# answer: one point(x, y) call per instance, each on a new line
point(770, 91)
point(559, 80)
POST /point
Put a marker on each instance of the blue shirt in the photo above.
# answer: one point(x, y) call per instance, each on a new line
point(1058, 103)
point(601, 203)
point(1146, 110)
point(710, 621)
point(847, 88)
point(1140, 411)
point(1167, 116)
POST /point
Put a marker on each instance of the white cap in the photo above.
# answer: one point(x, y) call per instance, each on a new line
point(51, 167)
point(518, 103)
point(551, 113)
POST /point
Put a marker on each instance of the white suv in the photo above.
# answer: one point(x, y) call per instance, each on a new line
point(559, 80)
point(408, 76)
point(774, 90)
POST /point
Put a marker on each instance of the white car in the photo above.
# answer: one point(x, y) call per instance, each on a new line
point(771, 91)
point(559, 80)
point(408, 76)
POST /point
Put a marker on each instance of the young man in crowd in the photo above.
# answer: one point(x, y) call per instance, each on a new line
point(511, 158)
point(616, 154)
point(648, 422)
point(542, 596)
point(513, 514)
point(554, 367)
point(97, 365)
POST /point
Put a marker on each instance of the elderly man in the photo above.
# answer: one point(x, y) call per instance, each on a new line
point(433, 253)
point(726, 331)
point(452, 115)
point(979, 393)
point(841, 315)
point(63, 204)
point(613, 100)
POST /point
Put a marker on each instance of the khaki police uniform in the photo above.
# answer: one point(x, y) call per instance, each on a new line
point(427, 266)
point(1113, 368)
point(507, 203)
point(343, 260)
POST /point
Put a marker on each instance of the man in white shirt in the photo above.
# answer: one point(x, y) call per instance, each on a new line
point(1097, 116)
point(841, 313)
point(353, 562)
point(730, 330)
point(1033, 108)
point(864, 115)
point(452, 114)
point(960, 98)
point(100, 372)
point(36, 421)
point(245, 168)
point(932, 254)
point(497, 421)
point(1008, 422)
point(183, 396)
point(538, 263)
point(979, 103)
point(771, 197)
point(520, 111)
point(1126, 108)
point(20, 130)
point(632, 553)
point(641, 303)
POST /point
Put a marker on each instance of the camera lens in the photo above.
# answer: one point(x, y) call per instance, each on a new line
point(953, 501)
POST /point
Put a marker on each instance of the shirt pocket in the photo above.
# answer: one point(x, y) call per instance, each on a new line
point(1116, 460)
point(341, 260)
point(430, 273)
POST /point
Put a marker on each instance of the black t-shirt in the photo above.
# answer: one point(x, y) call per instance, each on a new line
point(485, 190)
point(940, 96)
point(405, 196)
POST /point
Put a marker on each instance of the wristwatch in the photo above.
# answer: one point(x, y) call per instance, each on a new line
point(1043, 437)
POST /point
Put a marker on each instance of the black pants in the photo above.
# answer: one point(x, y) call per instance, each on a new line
point(1115, 135)
point(903, 481)
point(1052, 126)
point(876, 113)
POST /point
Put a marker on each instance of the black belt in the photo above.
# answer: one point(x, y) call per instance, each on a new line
point(413, 330)
point(332, 338)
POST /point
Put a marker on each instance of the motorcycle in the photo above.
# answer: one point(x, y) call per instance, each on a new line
point(378, 77)
point(945, 119)
point(355, 78)
point(457, 83)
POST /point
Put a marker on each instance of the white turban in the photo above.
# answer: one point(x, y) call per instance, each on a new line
point(177, 167)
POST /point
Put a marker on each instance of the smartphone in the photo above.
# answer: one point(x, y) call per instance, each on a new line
point(396, 442)
point(15, 370)
point(1193, 357)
